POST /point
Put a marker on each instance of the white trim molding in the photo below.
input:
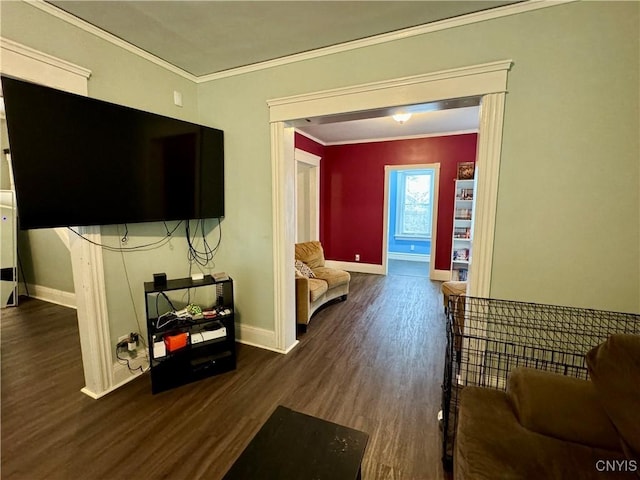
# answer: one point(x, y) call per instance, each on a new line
point(312, 213)
point(373, 268)
point(51, 295)
point(25, 63)
point(487, 81)
point(409, 257)
point(261, 338)
point(93, 321)
point(401, 137)
point(487, 175)
point(476, 80)
point(441, 275)
point(284, 232)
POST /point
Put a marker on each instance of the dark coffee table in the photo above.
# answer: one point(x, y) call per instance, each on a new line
point(294, 446)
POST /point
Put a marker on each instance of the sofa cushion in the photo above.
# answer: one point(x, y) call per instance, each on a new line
point(332, 276)
point(317, 288)
point(304, 269)
point(491, 444)
point(560, 406)
point(614, 367)
point(310, 253)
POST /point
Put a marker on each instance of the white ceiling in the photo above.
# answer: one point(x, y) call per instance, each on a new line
point(204, 37)
point(426, 120)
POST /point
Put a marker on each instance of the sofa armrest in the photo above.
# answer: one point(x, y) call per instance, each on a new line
point(302, 300)
point(560, 406)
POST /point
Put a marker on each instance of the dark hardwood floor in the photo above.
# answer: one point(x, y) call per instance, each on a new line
point(373, 363)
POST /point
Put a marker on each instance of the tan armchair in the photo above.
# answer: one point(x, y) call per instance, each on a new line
point(319, 286)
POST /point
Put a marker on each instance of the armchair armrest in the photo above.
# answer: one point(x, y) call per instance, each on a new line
point(560, 406)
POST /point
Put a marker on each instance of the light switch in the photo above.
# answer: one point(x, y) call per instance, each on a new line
point(177, 98)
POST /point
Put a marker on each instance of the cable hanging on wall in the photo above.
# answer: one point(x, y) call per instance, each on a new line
point(204, 256)
point(125, 238)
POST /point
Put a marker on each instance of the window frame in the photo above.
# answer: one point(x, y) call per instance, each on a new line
point(400, 230)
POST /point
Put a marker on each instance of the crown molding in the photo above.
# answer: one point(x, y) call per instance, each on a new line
point(310, 137)
point(498, 12)
point(405, 137)
point(386, 139)
point(104, 35)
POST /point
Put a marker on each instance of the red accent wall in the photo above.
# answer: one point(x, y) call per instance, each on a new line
point(352, 191)
point(308, 145)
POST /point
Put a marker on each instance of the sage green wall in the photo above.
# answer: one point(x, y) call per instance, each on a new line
point(45, 260)
point(124, 78)
point(568, 217)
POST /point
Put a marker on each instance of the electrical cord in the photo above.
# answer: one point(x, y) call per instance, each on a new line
point(126, 360)
point(133, 303)
point(138, 248)
point(205, 256)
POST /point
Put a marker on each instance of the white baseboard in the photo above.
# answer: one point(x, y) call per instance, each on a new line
point(51, 295)
point(259, 337)
point(410, 257)
point(441, 275)
point(121, 373)
point(356, 267)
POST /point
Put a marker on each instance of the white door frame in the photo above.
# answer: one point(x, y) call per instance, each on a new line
point(488, 81)
point(434, 212)
point(19, 61)
point(313, 162)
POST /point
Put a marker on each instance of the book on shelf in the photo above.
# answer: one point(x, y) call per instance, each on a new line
point(463, 214)
point(465, 194)
point(461, 254)
point(459, 275)
point(462, 232)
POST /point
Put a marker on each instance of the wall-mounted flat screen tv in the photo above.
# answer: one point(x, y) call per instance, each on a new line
point(81, 161)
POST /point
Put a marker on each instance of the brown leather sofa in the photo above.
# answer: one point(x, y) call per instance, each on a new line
point(317, 284)
point(550, 426)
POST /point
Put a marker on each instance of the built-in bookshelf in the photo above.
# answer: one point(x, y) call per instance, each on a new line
point(462, 230)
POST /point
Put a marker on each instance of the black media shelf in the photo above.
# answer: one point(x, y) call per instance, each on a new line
point(206, 345)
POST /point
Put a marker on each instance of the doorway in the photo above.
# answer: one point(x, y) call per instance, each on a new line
point(410, 219)
point(487, 81)
point(307, 196)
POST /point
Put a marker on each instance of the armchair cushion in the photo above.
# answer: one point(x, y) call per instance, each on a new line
point(332, 276)
point(317, 288)
point(562, 407)
point(310, 253)
point(614, 367)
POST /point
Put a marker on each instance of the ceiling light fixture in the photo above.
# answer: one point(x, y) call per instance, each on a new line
point(401, 117)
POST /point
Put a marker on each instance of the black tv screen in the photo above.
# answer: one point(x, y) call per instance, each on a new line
point(81, 161)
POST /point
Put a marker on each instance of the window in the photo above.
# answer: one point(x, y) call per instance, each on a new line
point(414, 204)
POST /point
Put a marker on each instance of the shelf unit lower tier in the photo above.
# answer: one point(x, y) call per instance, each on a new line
point(199, 359)
point(186, 350)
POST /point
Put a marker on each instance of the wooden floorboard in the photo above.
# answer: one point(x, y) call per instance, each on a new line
point(373, 362)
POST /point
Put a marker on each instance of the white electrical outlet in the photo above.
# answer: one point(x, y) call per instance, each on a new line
point(357, 257)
